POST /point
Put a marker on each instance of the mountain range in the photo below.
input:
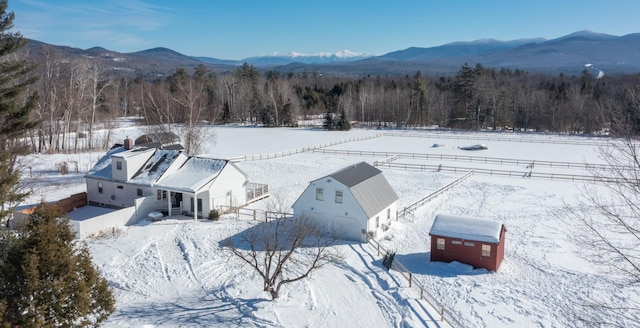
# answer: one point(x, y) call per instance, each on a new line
point(570, 54)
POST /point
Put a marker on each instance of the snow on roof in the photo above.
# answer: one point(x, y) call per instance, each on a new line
point(103, 166)
point(155, 167)
point(466, 228)
point(133, 152)
point(194, 174)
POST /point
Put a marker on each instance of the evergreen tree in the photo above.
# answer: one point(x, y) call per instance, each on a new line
point(328, 123)
point(343, 124)
point(15, 110)
point(46, 280)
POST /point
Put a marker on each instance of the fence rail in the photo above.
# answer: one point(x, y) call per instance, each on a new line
point(446, 315)
point(424, 200)
point(254, 214)
point(257, 157)
point(503, 173)
point(492, 138)
point(467, 158)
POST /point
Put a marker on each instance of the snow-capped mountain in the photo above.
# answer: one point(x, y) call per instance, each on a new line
point(298, 57)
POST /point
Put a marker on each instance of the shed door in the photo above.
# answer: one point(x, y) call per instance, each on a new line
point(347, 228)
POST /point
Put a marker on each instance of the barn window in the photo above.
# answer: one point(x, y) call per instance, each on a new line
point(440, 243)
point(100, 190)
point(139, 192)
point(486, 250)
point(319, 194)
point(456, 242)
point(118, 165)
point(468, 243)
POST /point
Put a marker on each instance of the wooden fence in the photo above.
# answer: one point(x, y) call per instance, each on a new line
point(467, 158)
point(253, 214)
point(424, 200)
point(514, 138)
point(257, 157)
point(446, 315)
point(503, 173)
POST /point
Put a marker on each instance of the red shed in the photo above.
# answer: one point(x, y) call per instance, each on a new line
point(477, 242)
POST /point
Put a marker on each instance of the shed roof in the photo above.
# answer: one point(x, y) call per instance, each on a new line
point(452, 226)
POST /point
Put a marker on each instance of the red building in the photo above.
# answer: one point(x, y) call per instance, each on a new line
point(477, 242)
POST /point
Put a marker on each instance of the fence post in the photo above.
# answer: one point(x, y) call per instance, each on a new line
point(410, 278)
point(442, 314)
point(254, 215)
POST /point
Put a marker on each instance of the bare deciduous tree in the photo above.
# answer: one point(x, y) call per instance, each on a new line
point(608, 226)
point(283, 251)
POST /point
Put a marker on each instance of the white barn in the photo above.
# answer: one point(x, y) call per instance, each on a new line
point(350, 203)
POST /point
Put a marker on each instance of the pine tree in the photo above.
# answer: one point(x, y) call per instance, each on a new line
point(328, 123)
point(46, 280)
point(343, 124)
point(15, 109)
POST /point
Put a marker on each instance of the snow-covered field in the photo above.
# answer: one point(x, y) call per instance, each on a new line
point(174, 273)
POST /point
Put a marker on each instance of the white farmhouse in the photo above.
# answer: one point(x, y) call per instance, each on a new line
point(212, 182)
point(171, 179)
point(349, 203)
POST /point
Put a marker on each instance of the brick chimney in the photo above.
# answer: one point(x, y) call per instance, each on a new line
point(128, 143)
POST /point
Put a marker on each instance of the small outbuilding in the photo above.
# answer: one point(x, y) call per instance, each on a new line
point(477, 242)
point(351, 203)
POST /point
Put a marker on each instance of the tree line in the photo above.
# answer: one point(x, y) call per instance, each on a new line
point(78, 97)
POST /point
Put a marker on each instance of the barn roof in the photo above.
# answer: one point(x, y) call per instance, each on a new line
point(355, 174)
point(466, 228)
point(368, 186)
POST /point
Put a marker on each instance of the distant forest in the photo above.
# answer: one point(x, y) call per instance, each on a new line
point(77, 98)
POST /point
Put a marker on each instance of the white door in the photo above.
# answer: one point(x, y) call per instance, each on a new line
point(347, 228)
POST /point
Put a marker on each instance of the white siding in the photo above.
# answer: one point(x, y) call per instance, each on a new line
point(131, 161)
point(329, 209)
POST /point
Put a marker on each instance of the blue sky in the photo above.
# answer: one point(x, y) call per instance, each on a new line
point(237, 29)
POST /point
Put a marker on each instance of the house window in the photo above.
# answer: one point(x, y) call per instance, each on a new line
point(338, 196)
point(319, 194)
point(377, 221)
point(486, 250)
point(199, 205)
point(120, 187)
point(456, 242)
point(118, 165)
point(468, 243)
point(139, 192)
point(388, 214)
point(159, 192)
point(440, 244)
point(162, 194)
point(100, 190)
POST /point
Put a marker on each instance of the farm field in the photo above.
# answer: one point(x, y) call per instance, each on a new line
point(175, 272)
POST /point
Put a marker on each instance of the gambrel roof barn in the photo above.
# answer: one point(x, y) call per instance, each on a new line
point(351, 203)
